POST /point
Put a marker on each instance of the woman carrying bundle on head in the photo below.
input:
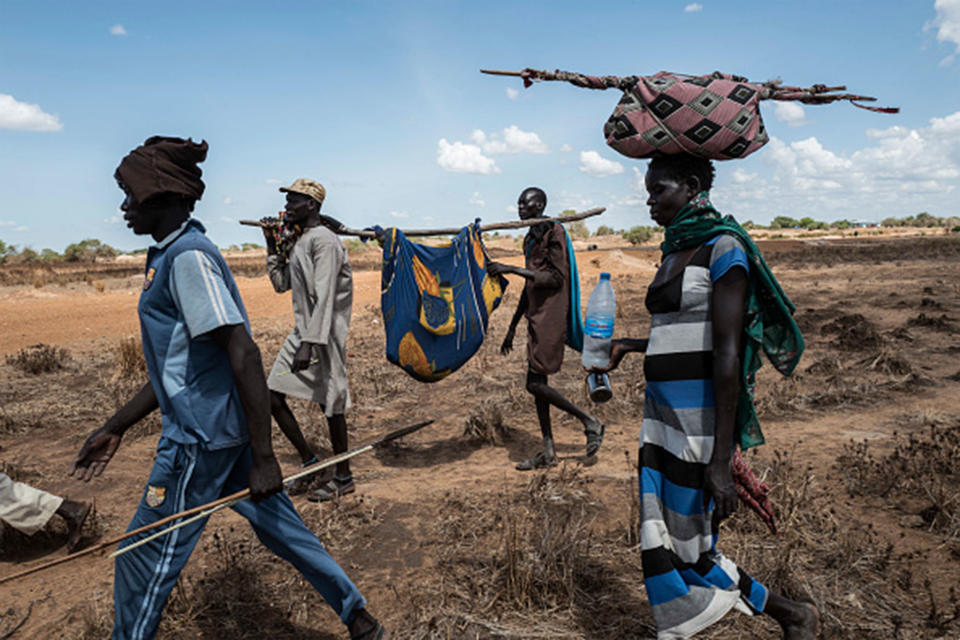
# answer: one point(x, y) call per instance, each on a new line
point(715, 307)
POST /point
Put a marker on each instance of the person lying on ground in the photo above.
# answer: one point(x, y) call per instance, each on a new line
point(312, 363)
point(699, 300)
point(206, 376)
point(545, 302)
point(28, 510)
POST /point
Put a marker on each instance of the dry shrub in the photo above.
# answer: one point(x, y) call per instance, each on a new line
point(99, 286)
point(130, 362)
point(888, 361)
point(937, 323)
point(39, 358)
point(485, 423)
point(828, 365)
point(853, 332)
point(923, 469)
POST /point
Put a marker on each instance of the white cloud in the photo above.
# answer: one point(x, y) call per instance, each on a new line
point(118, 30)
point(273, 181)
point(565, 148)
point(476, 200)
point(7, 223)
point(693, 7)
point(464, 158)
point(947, 24)
point(901, 171)
point(21, 116)
point(511, 208)
point(791, 113)
point(511, 140)
point(593, 164)
point(512, 94)
point(114, 219)
point(227, 219)
point(228, 201)
point(568, 200)
point(399, 214)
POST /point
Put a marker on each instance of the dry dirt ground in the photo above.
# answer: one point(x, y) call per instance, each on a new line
point(446, 540)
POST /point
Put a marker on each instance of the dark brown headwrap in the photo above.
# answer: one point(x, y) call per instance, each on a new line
point(163, 165)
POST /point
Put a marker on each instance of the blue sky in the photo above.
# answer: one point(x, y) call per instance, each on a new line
point(384, 104)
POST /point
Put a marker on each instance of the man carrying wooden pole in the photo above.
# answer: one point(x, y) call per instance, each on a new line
point(206, 376)
point(306, 258)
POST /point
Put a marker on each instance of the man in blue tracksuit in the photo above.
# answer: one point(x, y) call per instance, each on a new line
point(206, 377)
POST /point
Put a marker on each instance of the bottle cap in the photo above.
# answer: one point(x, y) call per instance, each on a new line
point(604, 276)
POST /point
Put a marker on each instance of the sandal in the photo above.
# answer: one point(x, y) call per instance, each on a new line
point(594, 439)
point(539, 461)
point(333, 490)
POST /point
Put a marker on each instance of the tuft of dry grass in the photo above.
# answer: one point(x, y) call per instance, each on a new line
point(39, 358)
point(130, 363)
point(485, 423)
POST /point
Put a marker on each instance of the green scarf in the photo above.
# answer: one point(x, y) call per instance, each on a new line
point(768, 322)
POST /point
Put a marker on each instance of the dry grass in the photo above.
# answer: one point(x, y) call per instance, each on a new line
point(540, 566)
point(921, 474)
point(242, 589)
point(39, 358)
point(130, 362)
point(485, 423)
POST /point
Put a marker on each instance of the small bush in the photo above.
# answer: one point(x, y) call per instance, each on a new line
point(638, 235)
point(39, 358)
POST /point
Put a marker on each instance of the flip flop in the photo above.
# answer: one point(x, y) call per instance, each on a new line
point(594, 439)
point(538, 461)
point(332, 490)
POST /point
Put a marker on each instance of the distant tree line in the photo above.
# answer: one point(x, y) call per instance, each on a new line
point(88, 250)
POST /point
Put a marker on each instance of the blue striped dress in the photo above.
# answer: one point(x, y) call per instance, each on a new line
point(689, 582)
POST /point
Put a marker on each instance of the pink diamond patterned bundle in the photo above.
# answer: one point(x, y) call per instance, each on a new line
point(715, 116)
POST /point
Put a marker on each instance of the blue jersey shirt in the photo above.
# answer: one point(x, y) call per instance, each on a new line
point(188, 291)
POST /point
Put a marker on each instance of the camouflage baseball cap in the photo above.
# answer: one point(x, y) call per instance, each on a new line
point(307, 187)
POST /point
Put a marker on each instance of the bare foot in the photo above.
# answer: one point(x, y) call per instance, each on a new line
point(803, 623)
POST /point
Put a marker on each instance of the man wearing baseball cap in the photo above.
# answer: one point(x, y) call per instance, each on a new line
point(308, 259)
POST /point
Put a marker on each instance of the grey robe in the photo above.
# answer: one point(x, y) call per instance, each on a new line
point(319, 275)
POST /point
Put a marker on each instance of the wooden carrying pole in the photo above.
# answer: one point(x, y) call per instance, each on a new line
point(210, 507)
point(515, 224)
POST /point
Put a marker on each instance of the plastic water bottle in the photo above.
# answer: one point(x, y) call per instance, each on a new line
point(598, 328)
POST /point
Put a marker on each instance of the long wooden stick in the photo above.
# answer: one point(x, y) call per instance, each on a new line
point(495, 72)
point(513, 224)
point(235, 497)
